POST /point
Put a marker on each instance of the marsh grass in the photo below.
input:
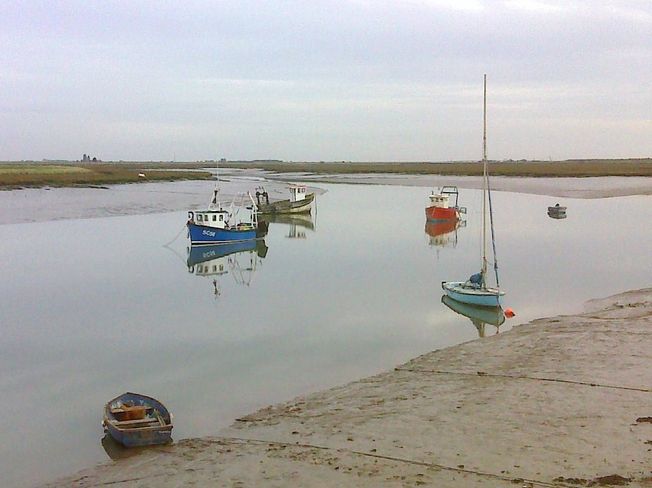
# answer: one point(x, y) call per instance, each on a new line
point(39, 174)
point(16, 175)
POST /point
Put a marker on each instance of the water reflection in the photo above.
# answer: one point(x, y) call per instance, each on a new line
point(479, 316)
point(239, 259)
point(117, 451)
point(298, 224)
point(443, 233)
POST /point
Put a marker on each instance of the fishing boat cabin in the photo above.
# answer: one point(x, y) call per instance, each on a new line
point(298, 193)
point(217, 217)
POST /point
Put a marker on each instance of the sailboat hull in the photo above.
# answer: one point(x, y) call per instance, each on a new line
point(484, 297)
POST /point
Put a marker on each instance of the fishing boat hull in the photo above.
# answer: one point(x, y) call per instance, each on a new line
point(437, 214)
point(483, 297)
point(287, 206)
point(153, 428)
point(201, 235)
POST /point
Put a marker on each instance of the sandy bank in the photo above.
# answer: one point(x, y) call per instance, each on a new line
point(560, 401)
point(590, 187)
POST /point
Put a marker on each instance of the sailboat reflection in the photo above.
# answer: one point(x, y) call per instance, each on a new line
point(480, 316)
point(298, 224)
point(443, 233)
point(239, 259)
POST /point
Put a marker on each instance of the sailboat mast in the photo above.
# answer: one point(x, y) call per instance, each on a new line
point(484, 124)
point(484, 182)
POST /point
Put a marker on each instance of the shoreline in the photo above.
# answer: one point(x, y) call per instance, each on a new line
point(559, 401)
point(46, 204)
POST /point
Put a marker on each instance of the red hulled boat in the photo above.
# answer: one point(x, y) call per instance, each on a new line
point(440, 205)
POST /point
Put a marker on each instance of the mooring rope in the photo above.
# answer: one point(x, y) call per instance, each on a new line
point(523, 377)
point(175, 237)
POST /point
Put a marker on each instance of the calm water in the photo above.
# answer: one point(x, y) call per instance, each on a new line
point(92, 308)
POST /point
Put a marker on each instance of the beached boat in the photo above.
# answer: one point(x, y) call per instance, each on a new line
point(300, 201)
point(479, 316)
point(133, 419)
point(476, 290)
point(557, 212)
point(217, 224)
point(440, 208)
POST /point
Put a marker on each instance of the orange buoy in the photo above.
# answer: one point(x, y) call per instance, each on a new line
point(509, 313)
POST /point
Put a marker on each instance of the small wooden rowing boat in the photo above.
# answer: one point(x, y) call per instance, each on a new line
point(133, 419)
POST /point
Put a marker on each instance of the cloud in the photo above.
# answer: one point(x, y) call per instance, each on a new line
point(387, 80)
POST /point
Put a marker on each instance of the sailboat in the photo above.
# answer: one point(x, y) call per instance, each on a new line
point(475, 290)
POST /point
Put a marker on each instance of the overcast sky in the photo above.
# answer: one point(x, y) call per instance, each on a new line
point(359, 80)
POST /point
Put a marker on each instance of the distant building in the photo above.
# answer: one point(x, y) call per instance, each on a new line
point(86, 158)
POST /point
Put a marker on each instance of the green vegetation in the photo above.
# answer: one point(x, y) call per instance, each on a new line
point(19, 175)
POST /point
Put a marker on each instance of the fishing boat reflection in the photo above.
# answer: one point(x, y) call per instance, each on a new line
point(479, 316)
point(298, 224)
point(239, 259)
point(443, 233)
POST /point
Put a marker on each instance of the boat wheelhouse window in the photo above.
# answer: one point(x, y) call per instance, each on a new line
point(199, 218)
point(214, 217)
point(221, 217)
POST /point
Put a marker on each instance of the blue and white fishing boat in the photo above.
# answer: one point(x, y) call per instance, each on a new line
point(475, 290)
point(133, 420)
point(217, 224)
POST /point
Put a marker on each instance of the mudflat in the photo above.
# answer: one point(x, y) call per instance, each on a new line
point(549, 169)
point(561, 401)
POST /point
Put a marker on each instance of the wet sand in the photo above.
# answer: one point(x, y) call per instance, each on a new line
point(563, 401)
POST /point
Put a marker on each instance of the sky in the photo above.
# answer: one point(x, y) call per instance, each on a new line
point(318, 80)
